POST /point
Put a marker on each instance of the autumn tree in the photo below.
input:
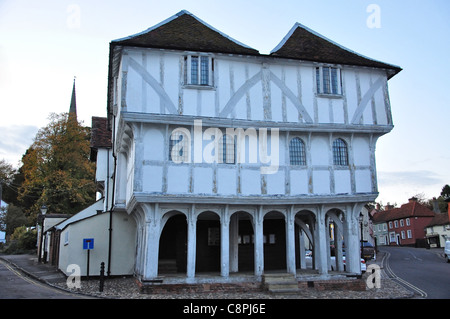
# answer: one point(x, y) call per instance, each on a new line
point(56, 168)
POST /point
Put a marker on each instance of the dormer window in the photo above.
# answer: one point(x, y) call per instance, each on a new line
point(198, 70)
point(328, 80)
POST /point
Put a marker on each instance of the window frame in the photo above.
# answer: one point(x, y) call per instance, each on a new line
point(181, 144)
point(227, 149)
point(340, 153)
point(202, 76)
point(299, 152)
point(327, 84)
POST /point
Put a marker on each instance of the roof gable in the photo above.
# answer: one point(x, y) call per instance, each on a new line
point(184, 31)
point(305, 44)
point(412, 209)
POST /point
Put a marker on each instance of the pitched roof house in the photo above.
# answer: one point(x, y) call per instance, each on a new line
point(317, 106)
point(438, 230)
point(405, 225)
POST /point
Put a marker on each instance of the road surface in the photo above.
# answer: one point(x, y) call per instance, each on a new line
point(423, 271)
point(16, 285)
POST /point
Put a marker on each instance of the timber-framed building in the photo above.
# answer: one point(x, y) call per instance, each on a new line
point(232, 161)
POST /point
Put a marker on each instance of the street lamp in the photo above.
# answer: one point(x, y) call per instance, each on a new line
point(44, 210)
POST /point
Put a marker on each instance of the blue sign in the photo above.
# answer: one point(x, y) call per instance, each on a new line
point(88, 243)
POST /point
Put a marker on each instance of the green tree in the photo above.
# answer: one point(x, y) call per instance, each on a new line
point(11, 218)
point(57, 170)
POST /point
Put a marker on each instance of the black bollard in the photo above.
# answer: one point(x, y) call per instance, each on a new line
point(102, 276)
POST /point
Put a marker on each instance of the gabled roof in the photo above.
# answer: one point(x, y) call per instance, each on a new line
point(305, 44)
point(184, 31)
point(411, 209)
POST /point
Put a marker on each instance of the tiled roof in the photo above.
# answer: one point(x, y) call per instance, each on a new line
point(411, 209)
point(184, 31)
point(100, 135)
point(439, 219)
point(305, 44)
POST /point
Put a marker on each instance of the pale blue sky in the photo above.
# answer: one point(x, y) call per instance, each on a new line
point(43, 44)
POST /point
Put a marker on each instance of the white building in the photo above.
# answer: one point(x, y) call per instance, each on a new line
point(227, 158)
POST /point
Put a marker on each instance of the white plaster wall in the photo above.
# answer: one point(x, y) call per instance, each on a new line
point(320, 150)
point(178, 178)
point(342, 182)
point(299, 182)
point(203, 180)
point(363, 181)
point(250, 182)
point(154, 143)
point(321, 182)
point(153, 178)
point(226, 181)
point(123, 245)
point(230, 74)
point(361, 151)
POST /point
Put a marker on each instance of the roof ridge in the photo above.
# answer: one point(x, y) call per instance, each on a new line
point(298, 25)
point(177, 15)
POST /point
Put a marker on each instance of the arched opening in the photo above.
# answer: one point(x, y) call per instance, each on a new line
point(208, 242)
point(274, 232)
point(242, 257)
point(335, 240)
point(305, 248)
point(173, 245)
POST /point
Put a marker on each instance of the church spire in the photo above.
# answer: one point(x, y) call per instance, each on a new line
point(73, 102)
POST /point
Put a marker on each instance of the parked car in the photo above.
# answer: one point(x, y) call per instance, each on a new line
point(333, 262)
point(368, 252)
point(447, 250)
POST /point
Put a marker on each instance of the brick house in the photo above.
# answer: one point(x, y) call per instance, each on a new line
point(405, 225)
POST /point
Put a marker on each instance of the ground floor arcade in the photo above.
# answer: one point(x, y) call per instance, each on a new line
point(192, 239)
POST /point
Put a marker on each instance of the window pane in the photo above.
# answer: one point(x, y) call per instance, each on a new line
point(194, 69)
point(177, 145)
point(318, 80)
point(334, 81)
point(297, 152)
point(326, 80)
point(204, 75)
point(340, 156)
point(227, 150)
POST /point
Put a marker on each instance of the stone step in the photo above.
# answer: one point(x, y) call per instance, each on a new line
point(280, 283)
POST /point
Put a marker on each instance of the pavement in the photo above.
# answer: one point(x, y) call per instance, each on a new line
point(29, 264)
point(126, 288)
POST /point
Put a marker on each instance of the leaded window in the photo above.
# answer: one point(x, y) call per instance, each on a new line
point(328, 80)
point(227, 153)
point(178, 147)
point(297, 154)
point(198, 70)
point(340, 152)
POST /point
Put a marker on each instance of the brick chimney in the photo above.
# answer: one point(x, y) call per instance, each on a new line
point(412, 199)
point(388, 207)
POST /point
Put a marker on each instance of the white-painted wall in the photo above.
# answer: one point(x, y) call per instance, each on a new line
point(258, 91)
point(96, 226)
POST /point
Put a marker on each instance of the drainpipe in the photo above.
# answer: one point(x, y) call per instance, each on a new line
point(108, 272)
